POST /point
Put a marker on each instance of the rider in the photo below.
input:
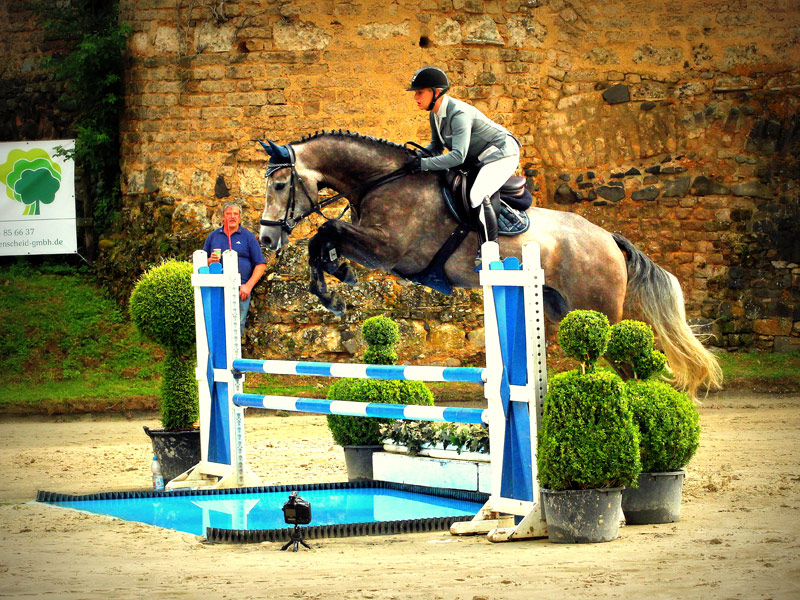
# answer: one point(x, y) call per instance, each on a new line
point(473, 140)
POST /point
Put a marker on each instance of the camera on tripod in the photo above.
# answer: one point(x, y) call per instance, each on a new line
point(297, 511)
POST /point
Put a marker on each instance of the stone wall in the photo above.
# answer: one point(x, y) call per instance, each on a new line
point(674, 124)
point(28, 95)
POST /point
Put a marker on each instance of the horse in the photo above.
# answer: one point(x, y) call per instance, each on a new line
point(399, 222)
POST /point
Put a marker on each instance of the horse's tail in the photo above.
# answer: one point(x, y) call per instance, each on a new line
point(658, 294)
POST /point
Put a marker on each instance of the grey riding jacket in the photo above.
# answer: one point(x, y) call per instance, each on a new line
point(472, 137)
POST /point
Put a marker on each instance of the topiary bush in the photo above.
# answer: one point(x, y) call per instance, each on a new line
point(648, 364)
point(162, 308)
point(631, 343)
point(583, 335)
point(668, 422)
point(381, 334)
point(587, 438)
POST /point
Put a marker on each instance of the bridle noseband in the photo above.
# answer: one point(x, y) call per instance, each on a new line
point(290, 221)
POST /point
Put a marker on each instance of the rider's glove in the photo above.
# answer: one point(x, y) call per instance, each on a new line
point(413, 164)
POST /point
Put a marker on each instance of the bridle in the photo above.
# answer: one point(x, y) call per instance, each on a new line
point(290, 220)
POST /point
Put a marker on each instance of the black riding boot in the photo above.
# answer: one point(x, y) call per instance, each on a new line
point(486, 222)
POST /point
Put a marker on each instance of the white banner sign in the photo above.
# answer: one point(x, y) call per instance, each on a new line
point(37, 199)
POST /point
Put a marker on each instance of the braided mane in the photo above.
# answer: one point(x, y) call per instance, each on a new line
point(349, 134)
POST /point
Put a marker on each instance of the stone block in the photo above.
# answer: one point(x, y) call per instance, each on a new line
point(617, 94)
point(612, 193)
point(781, 326)
point(676, 188)
point(703, 186)
point(754, 189)
point(785, 344)
point(648, 193)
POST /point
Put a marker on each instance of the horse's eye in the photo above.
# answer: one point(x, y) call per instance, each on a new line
point(280, 186)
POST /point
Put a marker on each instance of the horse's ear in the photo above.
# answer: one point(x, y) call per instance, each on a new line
point(266, 148)
point(276, 150)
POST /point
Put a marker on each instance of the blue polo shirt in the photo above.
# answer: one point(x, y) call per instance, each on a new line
point(244, 243)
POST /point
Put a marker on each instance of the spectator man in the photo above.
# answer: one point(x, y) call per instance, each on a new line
point(231, 236)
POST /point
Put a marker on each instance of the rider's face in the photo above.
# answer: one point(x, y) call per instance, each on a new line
point(423, 98)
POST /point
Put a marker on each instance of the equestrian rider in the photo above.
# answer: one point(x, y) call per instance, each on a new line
point(473, 140)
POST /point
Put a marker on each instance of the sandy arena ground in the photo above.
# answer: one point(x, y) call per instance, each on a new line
point(739, 536)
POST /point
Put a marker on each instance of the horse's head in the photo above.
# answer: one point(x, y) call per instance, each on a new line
point(291, 195)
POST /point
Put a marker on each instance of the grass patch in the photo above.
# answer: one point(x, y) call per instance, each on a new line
point(65, 344)
point(761, 372)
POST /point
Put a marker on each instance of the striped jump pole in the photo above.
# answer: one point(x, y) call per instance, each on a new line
point(378, 410)
point(361, 371)
point(514, 381)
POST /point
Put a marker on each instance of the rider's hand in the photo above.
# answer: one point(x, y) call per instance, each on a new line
point(413, 164)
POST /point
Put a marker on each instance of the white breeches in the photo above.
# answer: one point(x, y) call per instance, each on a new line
point(492, 176)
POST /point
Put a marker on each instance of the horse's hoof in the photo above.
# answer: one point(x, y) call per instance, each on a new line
point(346, 274)
point(337, 306)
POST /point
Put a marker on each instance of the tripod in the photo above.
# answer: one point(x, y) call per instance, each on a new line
point(295, 540)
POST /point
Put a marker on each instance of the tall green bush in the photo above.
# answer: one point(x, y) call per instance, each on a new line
point(587, 437)
point(668, 422)
point(381, 334)
point(162, 308)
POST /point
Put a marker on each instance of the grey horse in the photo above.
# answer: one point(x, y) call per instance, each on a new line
point(399, 223)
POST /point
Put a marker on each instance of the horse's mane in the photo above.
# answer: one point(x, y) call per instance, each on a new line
point(349, 134)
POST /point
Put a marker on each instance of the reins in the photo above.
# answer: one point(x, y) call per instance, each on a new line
point(289, 221)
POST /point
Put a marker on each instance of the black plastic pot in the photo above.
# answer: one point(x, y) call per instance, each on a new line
point(358, 460)
point(177, 451)
point(582, 516)
point(656, 500)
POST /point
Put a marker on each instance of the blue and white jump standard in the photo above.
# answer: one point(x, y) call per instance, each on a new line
point(514, 379)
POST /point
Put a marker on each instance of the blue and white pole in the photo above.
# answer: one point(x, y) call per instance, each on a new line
point(406, 412)
point(362, 371)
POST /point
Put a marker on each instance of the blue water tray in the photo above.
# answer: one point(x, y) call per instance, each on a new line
point(255, 514)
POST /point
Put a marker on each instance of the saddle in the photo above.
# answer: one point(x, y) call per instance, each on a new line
point(510, 203)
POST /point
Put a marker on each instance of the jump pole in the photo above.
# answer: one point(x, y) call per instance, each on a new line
point(514, 379)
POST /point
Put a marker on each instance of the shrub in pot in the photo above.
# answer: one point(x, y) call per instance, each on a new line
point(162, 309)
point(361, 436)
point(416, 435)
point(669, 429)
point(588, 446)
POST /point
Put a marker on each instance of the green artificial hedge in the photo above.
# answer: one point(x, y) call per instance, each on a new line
point(669, 425)
point(162, 308)
point(381, 334)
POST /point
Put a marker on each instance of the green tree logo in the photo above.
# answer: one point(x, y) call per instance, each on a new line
point(31, 177)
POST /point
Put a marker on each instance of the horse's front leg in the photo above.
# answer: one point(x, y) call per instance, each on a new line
point(323, 258)
point(334, 242)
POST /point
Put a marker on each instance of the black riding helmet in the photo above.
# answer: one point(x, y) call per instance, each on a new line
point(430, 77)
